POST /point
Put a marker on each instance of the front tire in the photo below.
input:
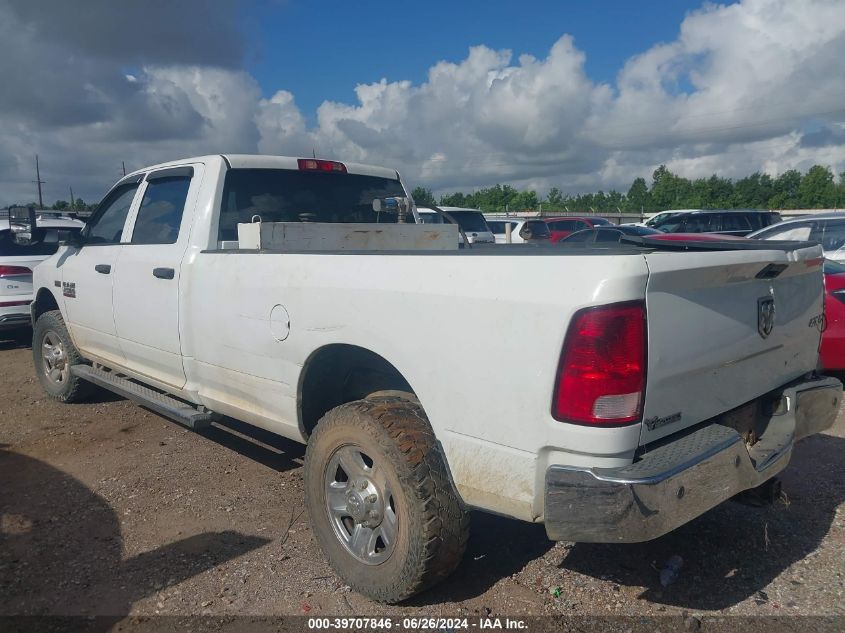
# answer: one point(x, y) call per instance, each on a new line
point(54, 354)
point(382, 506)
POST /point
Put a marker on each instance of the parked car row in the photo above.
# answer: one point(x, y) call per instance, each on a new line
point(22, 247)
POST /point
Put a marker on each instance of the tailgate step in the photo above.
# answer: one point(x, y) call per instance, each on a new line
point(161, 403)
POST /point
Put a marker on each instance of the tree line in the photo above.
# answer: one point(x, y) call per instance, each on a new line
point(815, 189)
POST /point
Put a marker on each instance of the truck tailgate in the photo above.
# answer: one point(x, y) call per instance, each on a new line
point(712, 342)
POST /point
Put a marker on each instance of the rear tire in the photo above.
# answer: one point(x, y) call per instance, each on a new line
point(382, 506)
point(54, 354)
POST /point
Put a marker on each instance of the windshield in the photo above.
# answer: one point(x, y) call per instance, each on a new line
point(286, 195)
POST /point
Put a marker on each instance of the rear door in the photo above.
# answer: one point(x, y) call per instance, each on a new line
point(712, 342)
point(87, 274)
point(146, 295)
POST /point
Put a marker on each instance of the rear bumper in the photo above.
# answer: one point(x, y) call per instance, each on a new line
point(684, 477)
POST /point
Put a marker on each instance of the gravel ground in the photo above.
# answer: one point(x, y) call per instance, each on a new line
point(108, 509)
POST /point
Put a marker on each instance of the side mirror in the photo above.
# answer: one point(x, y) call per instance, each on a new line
point(70, 238)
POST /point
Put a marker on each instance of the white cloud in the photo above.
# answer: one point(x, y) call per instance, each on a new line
point(757, 85)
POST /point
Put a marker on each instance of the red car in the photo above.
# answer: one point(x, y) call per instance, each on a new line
point(832, 351)
point(563, 226)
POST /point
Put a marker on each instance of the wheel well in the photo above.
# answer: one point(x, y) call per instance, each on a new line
point(336, 374)
point(44, 302)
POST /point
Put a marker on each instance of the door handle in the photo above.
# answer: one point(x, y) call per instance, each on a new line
point(164, 273)
point(104, 269)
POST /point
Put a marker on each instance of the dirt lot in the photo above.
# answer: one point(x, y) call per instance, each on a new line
point(106, 508)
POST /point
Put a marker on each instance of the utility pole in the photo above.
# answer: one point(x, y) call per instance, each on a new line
point(39, 182)
point(123, 164)
point(72, 203)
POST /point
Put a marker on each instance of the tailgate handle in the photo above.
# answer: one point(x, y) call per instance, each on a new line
point(103, 269)
point(164, 273)
point(771, 271)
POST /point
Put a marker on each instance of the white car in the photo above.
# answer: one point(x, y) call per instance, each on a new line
point(828, 229)
point(470, 220)
point(22, 248)
point(497, 225)
point(646, 385)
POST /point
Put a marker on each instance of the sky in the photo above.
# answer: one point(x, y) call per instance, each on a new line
point(577, 95)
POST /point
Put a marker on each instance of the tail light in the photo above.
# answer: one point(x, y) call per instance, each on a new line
point(601, 377)
point(312, 164)
point(9, 304)
point(14, 271)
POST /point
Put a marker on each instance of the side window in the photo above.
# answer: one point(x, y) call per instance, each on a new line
point(106, 227)
point(735, 222)
point(581, 236)
point(697, 224)
point(160, 213)
point(833, 236)
point(793, 232)
point(566, 225)
point(608, 235)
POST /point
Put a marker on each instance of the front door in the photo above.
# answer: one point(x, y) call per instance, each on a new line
point(146, 290)
point(87, 275)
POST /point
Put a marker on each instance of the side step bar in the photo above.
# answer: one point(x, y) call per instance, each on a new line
point(161, 403)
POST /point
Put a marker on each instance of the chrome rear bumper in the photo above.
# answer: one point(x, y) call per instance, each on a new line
point(685, 477)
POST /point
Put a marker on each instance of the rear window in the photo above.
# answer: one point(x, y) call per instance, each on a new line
point(285, 195)
point(40, 242)
point(536, 229)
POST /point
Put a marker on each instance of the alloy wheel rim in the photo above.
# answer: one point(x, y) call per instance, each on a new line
point(54, 359)
point(361, 505)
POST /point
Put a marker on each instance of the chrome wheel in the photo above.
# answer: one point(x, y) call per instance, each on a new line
point(54, 359)
point(360, 505)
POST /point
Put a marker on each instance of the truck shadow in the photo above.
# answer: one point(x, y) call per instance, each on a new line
point(498, 547)
point(734, 551)
point(61, 548)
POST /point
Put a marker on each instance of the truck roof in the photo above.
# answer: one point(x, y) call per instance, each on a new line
point(262, 161)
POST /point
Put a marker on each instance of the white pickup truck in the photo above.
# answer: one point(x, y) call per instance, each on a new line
point(655, 380)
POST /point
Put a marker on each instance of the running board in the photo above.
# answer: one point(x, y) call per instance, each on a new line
point(161, 403)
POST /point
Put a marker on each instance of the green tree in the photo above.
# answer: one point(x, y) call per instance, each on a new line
point(817, 190)
point(555, 197)
point(638, 198)
point(423, 197)
point(60, 205)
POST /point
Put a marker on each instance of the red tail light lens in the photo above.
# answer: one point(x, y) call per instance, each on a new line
point(312, 164)
point(602, 370)
point(8, 304)
point(13, 271)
